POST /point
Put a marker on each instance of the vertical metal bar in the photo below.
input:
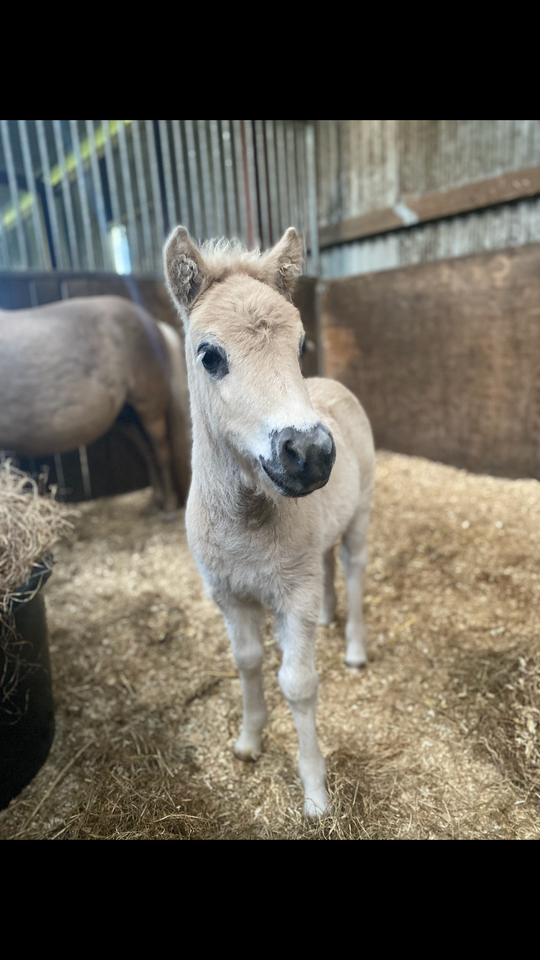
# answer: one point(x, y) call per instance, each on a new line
point(200, 180)
point(267, 171)
point(185, 160)
point(87, 485)
point(218, 185)
point(31, 187)
point(257, 183)
point(245, 170)
point(156, 189)
point(284, 193)
point(291, 172)
point(300, 164)
point(143, 197)
point(66, 193)
point(281, 184)
point(181, 182)
point(49, 193)
point(98, 192)
point(4, 258)
point(128, 196)
point(169, 189)
point(111, 172)
point(224, 192)
point(83, 194)
point(313, 217)
point(194, 178)
point(236, 167)
point(207, 179)
point(14, 192)
point(260, 155)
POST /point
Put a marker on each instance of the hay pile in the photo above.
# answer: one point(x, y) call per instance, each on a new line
point(30, 525)
point(438, 738)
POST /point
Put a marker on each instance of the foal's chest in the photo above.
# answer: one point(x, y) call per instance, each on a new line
point(261, 561)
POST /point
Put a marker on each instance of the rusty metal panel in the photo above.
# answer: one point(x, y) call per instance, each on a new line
point(445, 357)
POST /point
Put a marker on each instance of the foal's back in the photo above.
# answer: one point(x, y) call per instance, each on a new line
point(351, 482)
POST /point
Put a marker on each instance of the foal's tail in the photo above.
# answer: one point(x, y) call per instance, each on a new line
point(178, 419)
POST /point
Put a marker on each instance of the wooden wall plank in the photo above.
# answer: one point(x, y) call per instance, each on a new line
point(516, 185)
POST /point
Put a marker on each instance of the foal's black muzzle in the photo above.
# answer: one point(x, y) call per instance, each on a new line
point(301, 460)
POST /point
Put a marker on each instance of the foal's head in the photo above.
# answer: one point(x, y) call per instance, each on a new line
point(244, 339)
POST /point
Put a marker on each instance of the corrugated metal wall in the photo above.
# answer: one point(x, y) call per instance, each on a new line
point(102, 195)
point(369, 165)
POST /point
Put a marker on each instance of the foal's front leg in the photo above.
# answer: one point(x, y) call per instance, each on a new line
point(299, 682)
point(244, 623)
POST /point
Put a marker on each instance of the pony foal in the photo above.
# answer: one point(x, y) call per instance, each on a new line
point(282, 469)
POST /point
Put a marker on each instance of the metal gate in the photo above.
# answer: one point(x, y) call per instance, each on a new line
point(102, 195)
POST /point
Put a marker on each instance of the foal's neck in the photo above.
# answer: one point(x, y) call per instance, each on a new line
point(228, 485)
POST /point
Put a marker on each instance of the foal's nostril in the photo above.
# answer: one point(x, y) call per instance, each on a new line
point(290, 458)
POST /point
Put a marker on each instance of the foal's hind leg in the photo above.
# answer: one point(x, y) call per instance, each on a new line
point(327, 613)
point(244, 624)
point(354, 556)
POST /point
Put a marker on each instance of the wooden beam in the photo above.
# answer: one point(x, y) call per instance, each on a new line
point(474, 196)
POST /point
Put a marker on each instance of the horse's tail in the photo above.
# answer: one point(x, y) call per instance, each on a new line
point(178, 419)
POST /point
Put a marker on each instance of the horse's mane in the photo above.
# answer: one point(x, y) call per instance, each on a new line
point(222, 252)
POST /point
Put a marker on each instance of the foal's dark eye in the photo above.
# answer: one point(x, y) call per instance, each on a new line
point(303, 347)
point(213, 360)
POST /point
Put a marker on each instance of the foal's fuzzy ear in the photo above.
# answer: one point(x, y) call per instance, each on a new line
point(185, 270)
point(283, 262)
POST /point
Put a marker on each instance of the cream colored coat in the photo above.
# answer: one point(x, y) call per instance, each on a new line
point(255, 546)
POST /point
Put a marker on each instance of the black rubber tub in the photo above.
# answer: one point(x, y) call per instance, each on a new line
point(26, 700)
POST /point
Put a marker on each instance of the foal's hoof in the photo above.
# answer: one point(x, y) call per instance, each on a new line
point(326, 618)
point(355, 666)
point(247, 749)
point(317, 805)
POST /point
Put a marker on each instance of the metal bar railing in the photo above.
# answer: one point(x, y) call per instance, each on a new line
point(30, 186)
point(103, 194)
point(14, 192)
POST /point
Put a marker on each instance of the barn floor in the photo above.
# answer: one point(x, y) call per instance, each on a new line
point(437, 739)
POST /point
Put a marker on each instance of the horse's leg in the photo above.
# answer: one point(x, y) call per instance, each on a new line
point(299, 682)
point(156, 430)
point(137, 438)
point(327, 614)
point(244, 623)
point(354, 556)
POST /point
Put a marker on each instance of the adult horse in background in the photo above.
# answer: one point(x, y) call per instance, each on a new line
point(66, 371)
